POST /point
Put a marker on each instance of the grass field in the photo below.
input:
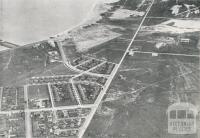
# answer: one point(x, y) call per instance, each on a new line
point(145, 87)
point(38, 93)
point(24, 62)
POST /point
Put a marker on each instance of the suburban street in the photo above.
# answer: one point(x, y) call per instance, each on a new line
point(89, 82)
point(114, 72)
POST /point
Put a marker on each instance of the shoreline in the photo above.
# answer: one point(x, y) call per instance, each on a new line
point(45, 23)
point(79, 25)
point(91, 18)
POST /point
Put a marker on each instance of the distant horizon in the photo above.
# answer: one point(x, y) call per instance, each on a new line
point(23, 25)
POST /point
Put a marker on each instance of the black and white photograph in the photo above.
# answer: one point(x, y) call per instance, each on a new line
point(99, 68)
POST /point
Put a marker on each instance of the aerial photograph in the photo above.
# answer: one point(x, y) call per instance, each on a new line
point(99, 68)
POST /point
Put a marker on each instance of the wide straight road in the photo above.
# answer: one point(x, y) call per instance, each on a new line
point(115, 70)
point(100, 97)
point(167, 54)
point(27, 114)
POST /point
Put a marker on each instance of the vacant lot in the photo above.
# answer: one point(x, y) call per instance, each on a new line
point(39, 94)
point(140, 95)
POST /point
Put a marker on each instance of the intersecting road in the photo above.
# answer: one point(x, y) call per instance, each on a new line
point(100, 97)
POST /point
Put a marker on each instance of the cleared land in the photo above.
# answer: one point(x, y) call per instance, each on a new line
point(140, 95)
point(39, 96)
point(135, 105)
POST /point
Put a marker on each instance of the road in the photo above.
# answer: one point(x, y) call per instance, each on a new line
point(115, 70)
point(169, 54)
point(92, 106)
point(99, 98)
point(27, 114)
point(64, 58)
point(88, 56)
point(1, 93)
point(49, 109)
point(73, 68)
point(90, 73)
point(75, 92)
point(51, 95)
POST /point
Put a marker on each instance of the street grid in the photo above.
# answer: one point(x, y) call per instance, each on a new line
point(102, 93)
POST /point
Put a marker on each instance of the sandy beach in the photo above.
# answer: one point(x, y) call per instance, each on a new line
point(94, 35)
point(39, 20)
point(75, 31)
point(98, 7)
